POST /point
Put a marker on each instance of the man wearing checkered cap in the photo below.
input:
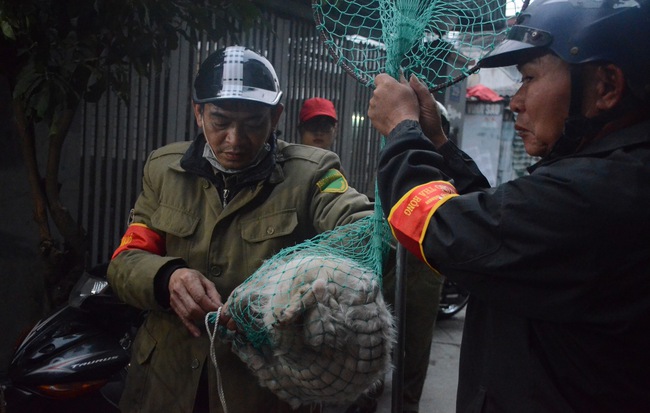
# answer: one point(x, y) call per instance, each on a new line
point(210, 212)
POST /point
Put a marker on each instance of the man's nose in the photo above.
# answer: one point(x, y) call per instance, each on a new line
point(517, 102)
point(235, 134)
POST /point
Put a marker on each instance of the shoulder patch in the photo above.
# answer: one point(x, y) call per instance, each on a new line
point(333, 182)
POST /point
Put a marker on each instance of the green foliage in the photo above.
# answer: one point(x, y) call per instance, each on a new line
point(58, 52)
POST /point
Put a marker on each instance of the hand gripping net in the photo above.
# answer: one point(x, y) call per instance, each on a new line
point(440, 41)
point(314, 327)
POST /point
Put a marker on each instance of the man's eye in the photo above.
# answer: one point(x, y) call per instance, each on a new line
point(526, 79)
point(254, 123)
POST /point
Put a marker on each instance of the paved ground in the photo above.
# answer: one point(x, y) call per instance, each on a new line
point(439, 395)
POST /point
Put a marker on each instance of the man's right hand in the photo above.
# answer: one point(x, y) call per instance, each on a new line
point(192, 296)
point(430, 121)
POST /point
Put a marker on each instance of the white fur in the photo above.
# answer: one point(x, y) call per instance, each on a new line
point(330, 331)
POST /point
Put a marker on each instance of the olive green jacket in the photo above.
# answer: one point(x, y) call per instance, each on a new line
point(227, 244)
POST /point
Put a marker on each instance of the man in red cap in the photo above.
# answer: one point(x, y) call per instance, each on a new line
point(318, 122)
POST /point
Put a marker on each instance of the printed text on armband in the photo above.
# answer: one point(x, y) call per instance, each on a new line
point(410, 216)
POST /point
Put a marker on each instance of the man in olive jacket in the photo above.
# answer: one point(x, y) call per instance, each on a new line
point(207, 217)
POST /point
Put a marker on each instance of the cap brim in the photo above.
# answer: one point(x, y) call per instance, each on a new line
point(316, 114)
point(507, 53)
point(264, 97)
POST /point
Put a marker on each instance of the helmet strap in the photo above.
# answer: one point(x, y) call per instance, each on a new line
point(578, 129)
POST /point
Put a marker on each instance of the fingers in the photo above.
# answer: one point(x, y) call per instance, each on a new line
point(192, 296)
point(183, 312)
point(231, 325)
point(226, 320)
point(212, 299)
point(383, 79)
point(392, 102)
point(402, 78)
point(429, 114)
point(420, 89)
point(191, 327)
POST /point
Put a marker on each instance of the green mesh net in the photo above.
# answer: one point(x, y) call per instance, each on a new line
point(438, 40)
point(313, 324)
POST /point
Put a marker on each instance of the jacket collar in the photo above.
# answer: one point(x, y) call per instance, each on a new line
point(638, 133)
point(193, 162)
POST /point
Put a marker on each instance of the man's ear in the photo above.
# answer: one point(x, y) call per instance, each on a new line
point(276, 112)
point(198, 114)
point(610, 86)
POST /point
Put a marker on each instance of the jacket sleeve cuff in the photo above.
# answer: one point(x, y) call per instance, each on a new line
point(402, 128)
point(161, 281)
point(449, 149)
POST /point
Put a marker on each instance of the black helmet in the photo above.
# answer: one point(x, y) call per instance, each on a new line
point(236, 72)
point(582, 31)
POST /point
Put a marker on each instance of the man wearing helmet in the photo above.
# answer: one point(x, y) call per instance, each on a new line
point(210, 212)
point(555, 261)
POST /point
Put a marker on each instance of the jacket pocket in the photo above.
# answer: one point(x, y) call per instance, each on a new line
point(146, 345)
point(269, 226)
point(174, 221)
point(138, 379)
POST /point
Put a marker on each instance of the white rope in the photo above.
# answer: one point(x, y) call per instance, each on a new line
point(212, 334)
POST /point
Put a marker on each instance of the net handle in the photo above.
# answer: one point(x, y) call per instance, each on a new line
point(330, 50)
point(473, 70)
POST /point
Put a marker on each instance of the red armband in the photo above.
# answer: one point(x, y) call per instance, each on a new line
point(141, 237)
point(410, 216)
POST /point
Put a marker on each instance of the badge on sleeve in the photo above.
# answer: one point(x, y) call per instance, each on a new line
point(333, 182)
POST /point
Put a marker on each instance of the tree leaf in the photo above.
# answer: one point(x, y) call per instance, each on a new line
point(7, 30)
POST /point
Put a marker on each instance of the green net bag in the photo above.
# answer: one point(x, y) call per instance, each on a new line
point(313, 324)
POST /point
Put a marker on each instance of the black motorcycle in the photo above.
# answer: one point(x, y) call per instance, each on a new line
point(74, 355)
point(453, 299)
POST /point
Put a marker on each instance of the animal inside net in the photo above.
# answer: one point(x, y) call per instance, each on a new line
point(313, 324)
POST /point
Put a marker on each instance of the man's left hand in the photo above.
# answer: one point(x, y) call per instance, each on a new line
point(392, 102)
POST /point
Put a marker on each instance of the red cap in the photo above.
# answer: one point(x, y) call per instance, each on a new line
point(317, 107)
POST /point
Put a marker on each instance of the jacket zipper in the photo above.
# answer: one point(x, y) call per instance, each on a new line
point(226, 192)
